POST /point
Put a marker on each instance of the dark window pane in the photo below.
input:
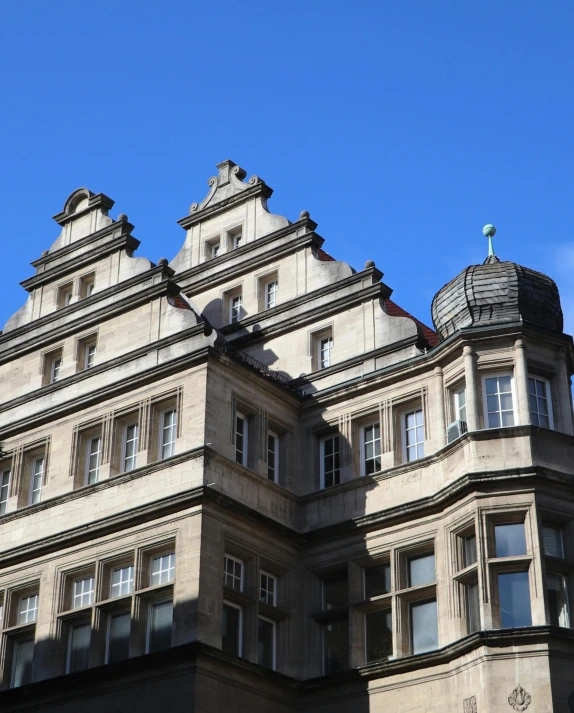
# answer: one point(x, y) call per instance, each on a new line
point(336, 646)
point(336, 589)
point(377, 580)
point(160, 630)
point(469, 550)
point(514, 599)
point(510, 540)
point(472, 607)
point(552, 538)
point(79, 654)
point(421, 570)
point(424, 627)
point(379, 626)
point(119, 637)
point(266, 643)
point(557, 600)
point(23, 656)
point(231, 634)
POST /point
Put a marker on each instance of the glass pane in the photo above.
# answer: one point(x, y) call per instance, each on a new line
point(514, 599)
point(231, 633)
point(552, 538)
point(506, 402)
point(557, 600)
point(472, 607)
point(507, 418)
point(424, 627)
point(160, 629)
point(469, 550)
point(504, 383)
point(336, 590)
point(23, 656)
point(510, 540)
point(541, 388)
point(379, 632)
point(79, 654)
point(336, 646)
point(266, 643)
point(119, 637)
point(377, 580)
point(421, 570)
point(494, 420)
point(491, 386)
point(492, 403)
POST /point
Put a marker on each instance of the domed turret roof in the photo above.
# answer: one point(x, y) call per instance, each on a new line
point(496, 292)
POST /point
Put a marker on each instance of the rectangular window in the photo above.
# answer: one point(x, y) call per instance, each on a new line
point(267, 588)
point(79, 647)
point(424, 626)
point(379, 635)
point(330, 462)
point(235, 308)
point(325, 349)
point(118, 641)
point(336, 646)
point(271, 294)
point(272, 456)
point(540, 410)
point(553, 543)
point(28, 609)
point(160, 625)
point(83, 592)
point(93, 455)
point(232, 629)
point(371, 449)
point(266, 632)
point(336, 589)
point(557, 600)
point(4, 491)
point(233, 574)
point(131, 435)
point(240, 439)
point(55, 369)
point(514, 599)
point(163, 569)
point(122, 581)
point(36, 480)
point(215, 247)
point(472, 607)
point(414, 435)
point(90, 356)
point(460, 405)
point(168, 433)
point(22, 667)
point(469, 543)
point(510, 540)
point(421, 570)
point(377, 580)
point(237, 240)
point(499, 401)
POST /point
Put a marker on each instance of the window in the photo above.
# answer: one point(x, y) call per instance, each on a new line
point(553, 543)
point(371, 449)
point(539, 399)
point(65, 293)
point(336, 646)
point(168, 432)
point(498, 399)
point(237, 239)
point(79, 647)
point(414, 435)
point(272, 456)
point(36, 480)
point(240, 439)
point(472, 607)
point(266, 632)
point(330, 461)
point(131, 434)
point(163, 569)
point(235, 310)
point(55, 365)
point(271, 294)
point(514, 599)
point(93, 454)
point(87, 284)
point(378, 635)
point(325, 349)
point(4, 490)
point(557, 600)
point(232, 629)
point(421, 570)
point(118, 637)
point(214, 249)
point(460, 405)
point(28, 609)
point(469, 550)
point(424, 626)
point(233, 574)
point(160, 625)
point(122, 581)
point(336, 589)
point(83, 592)
point(377, 580)
point(22, 666)
point(267, 588)
point(510, 540)
point(90, 356)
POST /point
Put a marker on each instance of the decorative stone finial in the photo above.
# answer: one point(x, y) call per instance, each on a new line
point(304, 214)
point(369, 263)
point(489, 231)
point(122, 218)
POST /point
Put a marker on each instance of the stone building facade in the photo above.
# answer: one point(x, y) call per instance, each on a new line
point(246, 479)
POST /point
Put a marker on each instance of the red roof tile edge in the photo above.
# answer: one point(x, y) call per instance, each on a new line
point(393, 310)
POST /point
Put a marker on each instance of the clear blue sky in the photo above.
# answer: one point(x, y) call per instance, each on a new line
point(403, 127)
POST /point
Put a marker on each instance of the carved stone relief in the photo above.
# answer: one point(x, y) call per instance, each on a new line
point(469, 705)
point(519, 699)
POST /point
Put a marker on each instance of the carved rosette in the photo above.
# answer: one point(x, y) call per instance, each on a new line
point(469, 705)
point(519, 699)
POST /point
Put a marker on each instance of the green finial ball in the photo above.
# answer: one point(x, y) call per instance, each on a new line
point(488, 231)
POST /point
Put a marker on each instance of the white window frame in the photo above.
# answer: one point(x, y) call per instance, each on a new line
point(88, 592)
point(242, 570)
point(162, 442)
point(28, 609)
point(4, 502)
point(151, 605)
point(325, 363)
point(68, 294)
point(275, 437)
point(244, 454)
point(460, 389)
point(90, 351)
point(124, 445)
point(55, 366)
point(363, 459)
point(270, 289)
point(263, 573)
point(237, 239)
point(240, 634)
point(404, 430)
point(157, 557)
point(546, 383)
point(564, 579)
point(33, 475)
point(129, 581)
point(485, 400)
point(89, 453)
point(322, 459)
point(274, 623)
point(215, 249)
point(90, 284)
point(235, 310)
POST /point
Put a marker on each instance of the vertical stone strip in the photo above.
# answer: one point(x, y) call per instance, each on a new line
point(17, 463)
point(439, 411)
point(521, 381)
point(471, 395)
point(178, 410)
point(107, 437)
point(564, 394)
point(145, 424)
point(73, 453)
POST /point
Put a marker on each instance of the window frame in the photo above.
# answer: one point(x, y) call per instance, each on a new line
point(244, 453)
point(90, 592)
point(548, 389)
point(119, 584)
point(268, 294)
point(276, 451)
point(55, 366)
point(33, 474)
point(263, 573)
point(150, 606)
point(4, 502)
point(18, 641)
point(110, 615)
point(233, 605)
point(322, 470)
point(161, 434)
point(241, 562)
point(124, 446)
point(89, 353)
point(405, 429)
point(372, 424)
point(274, 644)
point(28, 595)
point(322, 362)
point(497, 375)
point(158, 556)
point(88, 456)
point(456, 406)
